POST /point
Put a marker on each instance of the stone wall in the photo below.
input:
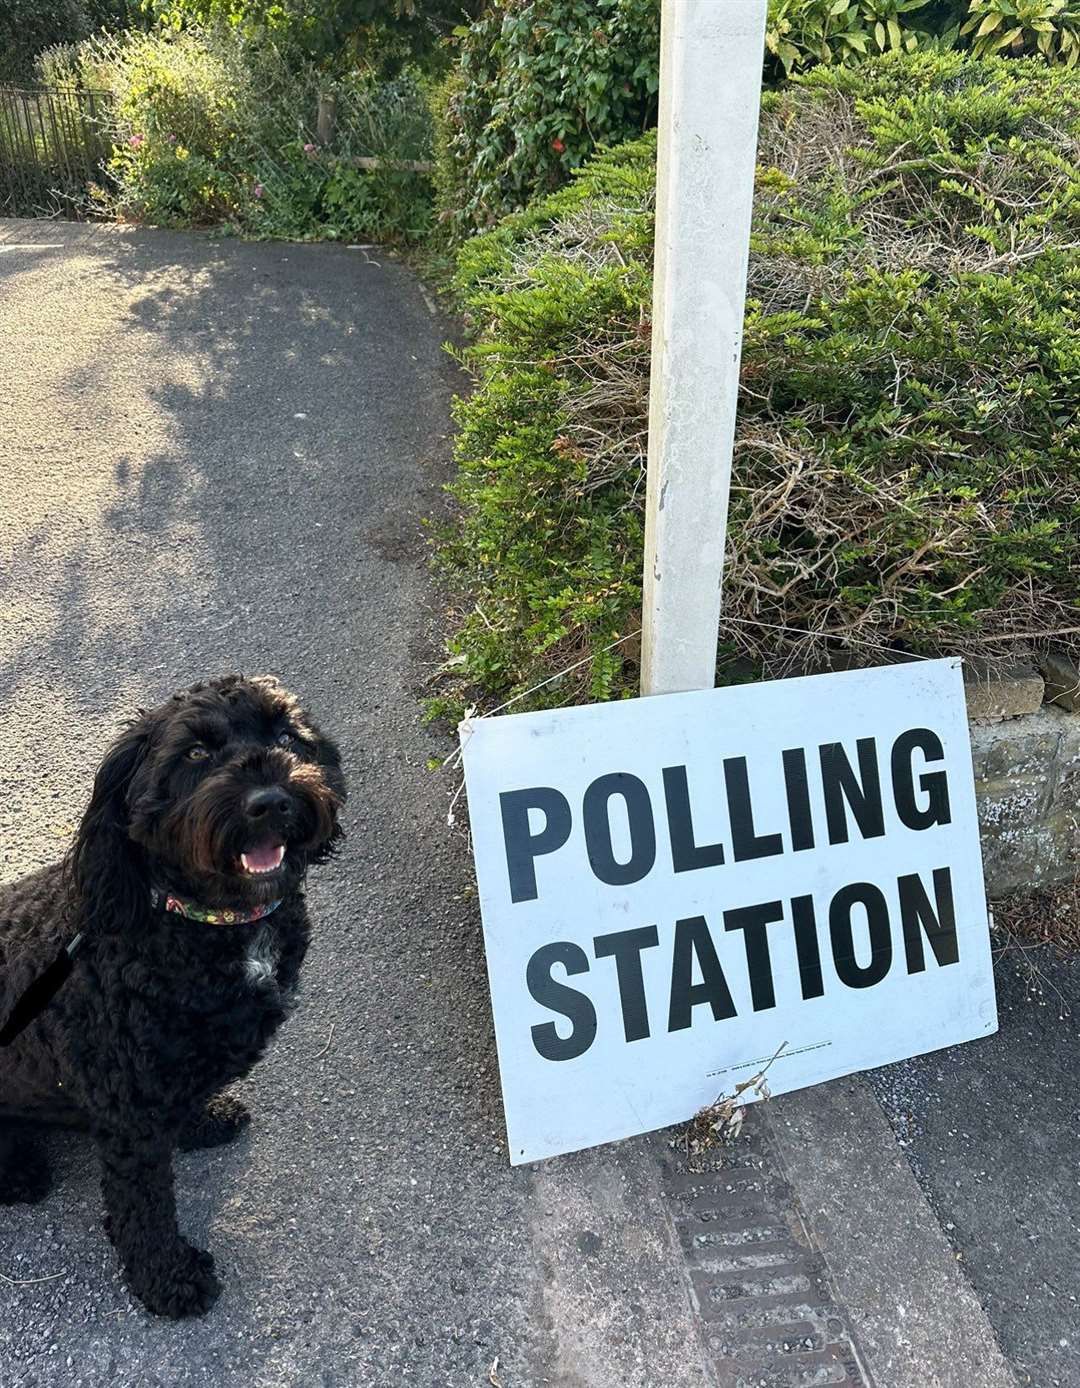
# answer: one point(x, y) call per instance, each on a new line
point(1026, 754)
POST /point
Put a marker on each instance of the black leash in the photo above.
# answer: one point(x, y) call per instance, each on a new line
point(33, 1001)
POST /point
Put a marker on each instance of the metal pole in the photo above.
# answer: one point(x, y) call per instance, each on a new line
point(710, 93)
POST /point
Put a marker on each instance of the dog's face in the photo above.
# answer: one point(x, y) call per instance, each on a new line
point(230, 790)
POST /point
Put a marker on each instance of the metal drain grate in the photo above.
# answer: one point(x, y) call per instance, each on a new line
point(769, 1316)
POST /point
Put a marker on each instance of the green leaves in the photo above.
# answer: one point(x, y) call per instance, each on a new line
point(213, 127)
point(337, 34)
point(1049, 27)
point(29, 26)
point(907, 464)
point(538, 85)
point(804, 32)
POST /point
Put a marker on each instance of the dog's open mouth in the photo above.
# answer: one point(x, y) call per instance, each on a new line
point(264, 859)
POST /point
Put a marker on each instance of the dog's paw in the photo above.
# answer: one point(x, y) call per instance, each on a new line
point(223, 1119)
point(184, 1285)
point(25, 1178)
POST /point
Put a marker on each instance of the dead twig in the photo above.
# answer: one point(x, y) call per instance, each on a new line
point(330, 1036)
point(28, 1281)
point(1033, 635)
point(722, 1120)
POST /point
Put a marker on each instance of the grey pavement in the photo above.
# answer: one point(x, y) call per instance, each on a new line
point(217, 455)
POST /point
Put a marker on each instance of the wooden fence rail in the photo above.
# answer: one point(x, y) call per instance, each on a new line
point(51, 147)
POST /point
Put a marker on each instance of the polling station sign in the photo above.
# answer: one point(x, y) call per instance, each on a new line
point(673, 889)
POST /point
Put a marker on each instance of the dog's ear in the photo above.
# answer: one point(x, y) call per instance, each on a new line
point(107, 867)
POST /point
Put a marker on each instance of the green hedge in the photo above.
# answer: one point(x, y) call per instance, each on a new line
point(907, 465)
point(537, 85)
point(380, 36)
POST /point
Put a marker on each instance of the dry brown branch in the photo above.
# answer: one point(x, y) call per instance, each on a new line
point(721, 1121)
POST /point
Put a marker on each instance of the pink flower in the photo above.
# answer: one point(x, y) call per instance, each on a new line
point(258, 190)
point(171, 139)
point(557, 145)
point(309, 149)
point(136, 141)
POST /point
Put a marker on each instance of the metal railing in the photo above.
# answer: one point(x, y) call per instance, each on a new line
point(51, 148)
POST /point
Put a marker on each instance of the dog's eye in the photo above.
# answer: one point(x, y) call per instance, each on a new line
point(197, 753)
point(285, 740)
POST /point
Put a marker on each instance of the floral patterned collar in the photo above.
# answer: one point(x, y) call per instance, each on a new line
point(210, 915)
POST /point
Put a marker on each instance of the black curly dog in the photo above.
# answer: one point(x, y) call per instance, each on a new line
point(185, 883)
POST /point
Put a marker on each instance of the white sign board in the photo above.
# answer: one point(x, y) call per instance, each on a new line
point(675, 888)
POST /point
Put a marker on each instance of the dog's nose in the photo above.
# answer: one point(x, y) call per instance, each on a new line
point(266, 802)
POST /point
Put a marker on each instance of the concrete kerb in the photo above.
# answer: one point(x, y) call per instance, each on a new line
point(898, 1288)
point(916, 1318)
point(913, 1312)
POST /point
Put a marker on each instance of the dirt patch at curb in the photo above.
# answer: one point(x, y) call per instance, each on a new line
point(1042, 918)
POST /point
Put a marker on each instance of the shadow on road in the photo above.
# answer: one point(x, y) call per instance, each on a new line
point(218, 457)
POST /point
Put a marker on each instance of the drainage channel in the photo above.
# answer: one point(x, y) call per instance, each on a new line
point(770, 1318)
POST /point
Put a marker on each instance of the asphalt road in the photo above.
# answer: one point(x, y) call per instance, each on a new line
point(217, 456)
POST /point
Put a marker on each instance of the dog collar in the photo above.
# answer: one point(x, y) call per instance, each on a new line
point(210, 915)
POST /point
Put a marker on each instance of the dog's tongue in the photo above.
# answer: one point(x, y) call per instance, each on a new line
point(265, 858)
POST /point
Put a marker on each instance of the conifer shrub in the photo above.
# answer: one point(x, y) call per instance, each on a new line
point(907, 461)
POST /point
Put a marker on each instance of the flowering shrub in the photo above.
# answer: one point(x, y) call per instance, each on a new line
point(174, 132)
point(538, 85)
point(208, 127)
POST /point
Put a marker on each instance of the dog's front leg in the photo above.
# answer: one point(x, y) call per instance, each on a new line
point(168, 1275)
